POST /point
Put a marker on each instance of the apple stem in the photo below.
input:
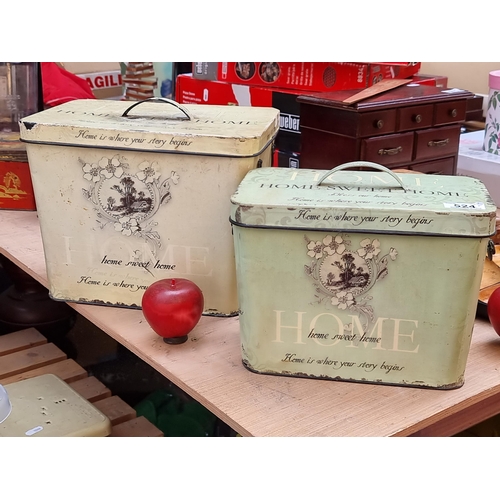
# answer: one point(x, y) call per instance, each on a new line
point(172, 284)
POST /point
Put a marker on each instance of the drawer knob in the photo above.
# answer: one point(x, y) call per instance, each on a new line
point(433, 144)
point(379, 124)
point(454, 112)
point(417, 118)
point(390, 151)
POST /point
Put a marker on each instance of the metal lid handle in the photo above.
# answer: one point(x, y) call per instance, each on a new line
point(376, 166)
point(160, 99)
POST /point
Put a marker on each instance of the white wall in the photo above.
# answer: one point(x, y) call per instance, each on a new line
point(471, 76)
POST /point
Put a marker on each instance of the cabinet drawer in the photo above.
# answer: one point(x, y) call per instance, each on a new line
point(450, 112)
point(436, 142)
point(443, 166)
point(388, 150)
point(377, 123)
point(415, 117)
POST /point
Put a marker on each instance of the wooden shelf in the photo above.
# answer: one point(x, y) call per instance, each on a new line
point(208, 367)
point(27, 353)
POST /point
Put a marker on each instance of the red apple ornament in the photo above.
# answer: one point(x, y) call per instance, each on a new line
point(173, 307)
point(493, 308)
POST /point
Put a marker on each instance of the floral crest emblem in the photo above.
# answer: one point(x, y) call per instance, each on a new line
point(128, 201)
point(343, 277)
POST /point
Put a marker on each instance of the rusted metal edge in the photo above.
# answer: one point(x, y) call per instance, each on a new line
point(367, 231)
point(456, 385)
point(97, 302)
point(156, 151)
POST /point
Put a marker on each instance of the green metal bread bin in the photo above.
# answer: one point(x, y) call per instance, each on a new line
point(359, 275)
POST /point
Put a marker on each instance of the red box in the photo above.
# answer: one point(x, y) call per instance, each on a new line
point(434, 80)
point(308, 76)
point(16, 189)
point(380, 71)
point(189, 90)
point(287, 159)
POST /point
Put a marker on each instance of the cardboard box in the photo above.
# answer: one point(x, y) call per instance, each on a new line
point(205, 70)
point(90, 67)
point(380, 71)
point(308, 76)
point(435, 80)
point(287, 159)
point(190, 90)
point(16, 188)
point(105, 84)
point(473, 161)
point(104, 78)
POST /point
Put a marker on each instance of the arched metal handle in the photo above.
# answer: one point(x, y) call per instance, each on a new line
point(433, 144)
point(160, 99)
point(352, 164)
point(390, 151)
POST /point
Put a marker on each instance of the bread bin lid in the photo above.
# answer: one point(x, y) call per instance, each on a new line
point(364, 201)
point(155, 125)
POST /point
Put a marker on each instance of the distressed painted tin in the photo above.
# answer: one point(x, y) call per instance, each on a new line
point(364, 276)
point(128, 194)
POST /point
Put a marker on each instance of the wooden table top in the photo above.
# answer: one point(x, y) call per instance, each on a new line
point(209, 368)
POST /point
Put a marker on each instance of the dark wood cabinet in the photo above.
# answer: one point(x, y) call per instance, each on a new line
point(416, 127)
